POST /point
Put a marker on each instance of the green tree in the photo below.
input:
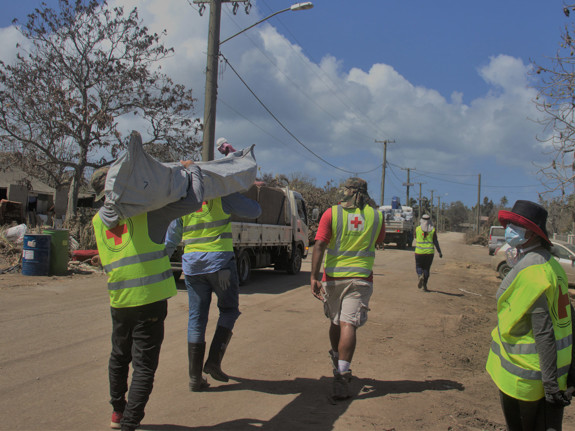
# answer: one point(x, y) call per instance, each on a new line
point(487, 207)
point(456, 214)
point(87, 66)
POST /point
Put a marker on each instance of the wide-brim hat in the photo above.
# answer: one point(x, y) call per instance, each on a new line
point(526, 214)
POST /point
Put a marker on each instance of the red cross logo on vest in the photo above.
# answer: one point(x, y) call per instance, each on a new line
point(117, 233)
point(355, 223)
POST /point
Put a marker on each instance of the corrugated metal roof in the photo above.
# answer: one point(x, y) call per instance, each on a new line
point(11, 175)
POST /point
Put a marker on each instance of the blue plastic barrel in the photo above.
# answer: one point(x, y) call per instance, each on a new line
point(36, 255)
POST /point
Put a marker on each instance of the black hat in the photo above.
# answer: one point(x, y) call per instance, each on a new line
point(526, 214)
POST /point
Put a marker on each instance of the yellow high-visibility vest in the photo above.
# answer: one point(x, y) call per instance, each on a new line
point(513, 362)
point(208, 229)
point(139, 270)
point(351, 250)
point(424, 245)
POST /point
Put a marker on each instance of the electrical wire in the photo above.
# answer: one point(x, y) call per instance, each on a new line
point(286, 129)
point(337, 94)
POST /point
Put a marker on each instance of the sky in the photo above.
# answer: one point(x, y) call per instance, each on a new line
point(448, 84)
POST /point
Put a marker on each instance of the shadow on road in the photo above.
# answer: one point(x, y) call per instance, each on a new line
point(274, 282)
point(444, 293)
point(266, 281)
point(310, 410)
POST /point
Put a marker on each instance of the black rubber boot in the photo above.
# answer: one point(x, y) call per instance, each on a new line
point(217, 349)
point(196, 352)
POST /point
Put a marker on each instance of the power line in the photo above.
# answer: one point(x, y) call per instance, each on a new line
point(358, 113)
point(287, 130)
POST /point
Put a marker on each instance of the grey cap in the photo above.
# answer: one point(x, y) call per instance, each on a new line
point(98, 182)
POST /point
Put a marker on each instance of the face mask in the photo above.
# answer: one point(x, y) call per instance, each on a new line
point(515, 235)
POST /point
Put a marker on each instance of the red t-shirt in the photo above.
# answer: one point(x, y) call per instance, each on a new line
point(324, 234)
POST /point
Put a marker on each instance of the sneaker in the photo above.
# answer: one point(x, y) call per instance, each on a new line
point(421, 281)
point(340, 389)
point(116, 419)
point(334, 359)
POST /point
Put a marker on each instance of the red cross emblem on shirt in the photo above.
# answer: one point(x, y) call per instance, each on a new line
point(117, 233)
point(356, 222)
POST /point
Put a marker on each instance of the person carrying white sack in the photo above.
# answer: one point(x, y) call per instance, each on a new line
point(142, 197)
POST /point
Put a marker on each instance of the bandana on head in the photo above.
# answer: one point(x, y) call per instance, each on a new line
point(354, 194)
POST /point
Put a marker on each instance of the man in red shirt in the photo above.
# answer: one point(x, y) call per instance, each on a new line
point(349, 232)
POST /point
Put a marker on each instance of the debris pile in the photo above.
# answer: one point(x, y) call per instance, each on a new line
point(83, 250)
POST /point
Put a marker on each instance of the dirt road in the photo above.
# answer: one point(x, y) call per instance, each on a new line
point(419, 363)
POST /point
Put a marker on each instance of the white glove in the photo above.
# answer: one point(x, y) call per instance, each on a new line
point(224, 278)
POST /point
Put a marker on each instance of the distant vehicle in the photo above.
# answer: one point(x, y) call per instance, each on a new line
point(496, 238)
point(563, 252)
point(399, 226)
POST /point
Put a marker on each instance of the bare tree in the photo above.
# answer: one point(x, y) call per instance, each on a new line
point(556, 101)
point(86, 67)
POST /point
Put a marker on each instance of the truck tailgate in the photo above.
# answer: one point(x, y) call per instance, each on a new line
point(252, 234)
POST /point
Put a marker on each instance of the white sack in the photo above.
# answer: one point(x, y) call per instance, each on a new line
point(16, 233)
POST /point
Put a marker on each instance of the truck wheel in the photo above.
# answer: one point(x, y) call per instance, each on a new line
point(294, 264)
point(244, 268)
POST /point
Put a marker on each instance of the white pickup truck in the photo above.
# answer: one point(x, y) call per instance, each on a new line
point(277, 238)
point(399, 227)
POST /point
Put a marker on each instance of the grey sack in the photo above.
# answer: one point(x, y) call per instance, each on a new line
point(138, 183)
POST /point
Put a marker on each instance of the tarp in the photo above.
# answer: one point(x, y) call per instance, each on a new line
point(138, 183)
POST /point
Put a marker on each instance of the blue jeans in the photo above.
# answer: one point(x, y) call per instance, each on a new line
point(200, 288)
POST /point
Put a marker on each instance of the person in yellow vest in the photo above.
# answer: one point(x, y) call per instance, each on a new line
point(530, 359)
point(425, 244)
point(140, 281)
point(349, 233)
point(209, 266)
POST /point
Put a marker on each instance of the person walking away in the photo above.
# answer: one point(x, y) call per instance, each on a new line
point(349, 232)
point(426, 243)
point(530, 359)
point(209, 266)
point(140, 281)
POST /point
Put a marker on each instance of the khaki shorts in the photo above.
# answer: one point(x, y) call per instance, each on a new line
point(347, 301)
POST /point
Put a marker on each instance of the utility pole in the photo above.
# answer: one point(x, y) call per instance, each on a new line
point(438, 208)
point(408, 184)
point(212, 73)
point(431, 205)
point(478, 204)
point(420, 199)
point(384, 142)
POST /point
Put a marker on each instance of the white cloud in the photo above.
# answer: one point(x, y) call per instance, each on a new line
point(10, 37)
